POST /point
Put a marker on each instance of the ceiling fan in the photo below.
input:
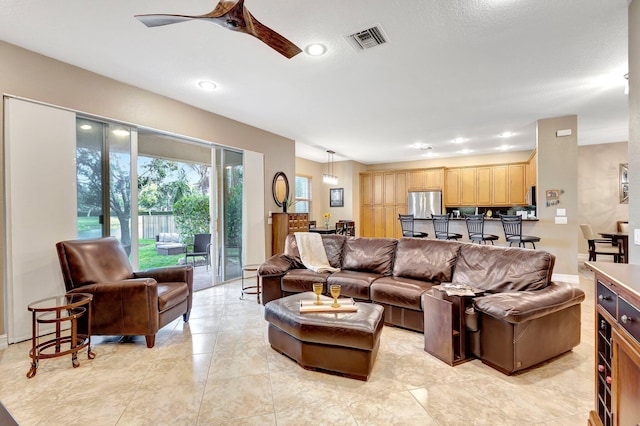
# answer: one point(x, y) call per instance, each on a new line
point(234, 16)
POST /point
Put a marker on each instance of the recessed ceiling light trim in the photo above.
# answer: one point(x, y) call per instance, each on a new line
point(316, 49)
point(207, 85)
point(506, 134)
point(458, 140)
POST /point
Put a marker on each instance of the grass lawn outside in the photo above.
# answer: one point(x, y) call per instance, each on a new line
point(149, 258)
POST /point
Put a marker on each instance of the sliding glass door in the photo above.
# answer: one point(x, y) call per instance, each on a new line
point(103, 161)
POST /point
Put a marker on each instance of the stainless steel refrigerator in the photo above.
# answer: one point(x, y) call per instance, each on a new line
point(422, 204)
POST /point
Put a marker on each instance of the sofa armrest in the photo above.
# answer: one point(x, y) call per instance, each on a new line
point(278, 264)
point(520, 306)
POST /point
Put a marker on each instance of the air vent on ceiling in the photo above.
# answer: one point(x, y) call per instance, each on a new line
point(366, 39)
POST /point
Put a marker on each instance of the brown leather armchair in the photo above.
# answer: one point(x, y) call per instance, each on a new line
point(125, 303)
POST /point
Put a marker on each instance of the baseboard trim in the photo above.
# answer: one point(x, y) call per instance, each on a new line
point(571, 279)
point(4, 342)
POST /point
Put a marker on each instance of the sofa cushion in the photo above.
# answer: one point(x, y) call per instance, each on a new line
point(427, 260)
point(354, 284)
point(301, 280)
point(332, 246)
point(399, 291)
point(500, 269)
point(369, 255)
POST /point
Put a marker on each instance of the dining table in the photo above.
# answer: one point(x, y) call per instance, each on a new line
point(323, 230)
point(621, 238)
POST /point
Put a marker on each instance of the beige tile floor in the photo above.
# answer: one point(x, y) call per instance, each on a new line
point(219, 369)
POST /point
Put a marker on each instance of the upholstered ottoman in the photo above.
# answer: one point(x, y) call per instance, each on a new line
point(342, 342)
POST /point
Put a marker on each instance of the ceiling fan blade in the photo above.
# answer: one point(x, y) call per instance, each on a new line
point(232, 15)
point(271, 38)
point(159, 20)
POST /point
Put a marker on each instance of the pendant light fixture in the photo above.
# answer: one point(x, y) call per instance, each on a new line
point(329, 177)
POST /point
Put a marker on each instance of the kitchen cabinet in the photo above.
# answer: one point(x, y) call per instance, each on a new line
point(389, 189)
point(517, 192)
point(452, 187)
point(500, 189)
point(617, 344)
point(532, 170)
point(433, 179)
point(401, 188)
point(283, 224)
point(485, 185)
point(417, 180)
point(366, 189)
point(468, 186)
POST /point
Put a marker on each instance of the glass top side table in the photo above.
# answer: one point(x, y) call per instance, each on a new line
point(57, 310)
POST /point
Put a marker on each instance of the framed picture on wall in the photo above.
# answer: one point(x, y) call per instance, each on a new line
point(624, 183)
point(336, 197)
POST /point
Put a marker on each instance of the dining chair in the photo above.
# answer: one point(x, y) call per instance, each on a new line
point(441, 227)
point(512, 225)
point(622, 226)
point(475, 229)
point(349, 227)
point(407, 222)
point(341, 228)
point(604, 246)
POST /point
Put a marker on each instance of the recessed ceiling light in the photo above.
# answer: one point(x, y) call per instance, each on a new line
point(506, 134)
point(504, 147)
point(420, 145)
point(85, 127)
point(465, 151)
point(207, 85)
point(316, 49)
point(458, 140)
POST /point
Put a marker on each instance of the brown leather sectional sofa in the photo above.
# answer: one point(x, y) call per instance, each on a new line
point(524, 318)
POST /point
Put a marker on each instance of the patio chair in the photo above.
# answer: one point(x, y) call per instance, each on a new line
point(201, 248)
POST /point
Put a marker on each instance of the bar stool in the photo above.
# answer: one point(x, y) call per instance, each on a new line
point(441, 228)
point(247, 289)
point(512, 225)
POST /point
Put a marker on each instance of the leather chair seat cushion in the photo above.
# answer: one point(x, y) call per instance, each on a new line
point(503, 269)
point(369, 255)
point(332, 246)
point(427, 260)
point(353, 284)
point(359, 329)
point(398, 291)
point(171, 294)
point(301, 280)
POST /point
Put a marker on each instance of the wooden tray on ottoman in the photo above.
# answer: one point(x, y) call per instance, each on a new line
point(346, 305)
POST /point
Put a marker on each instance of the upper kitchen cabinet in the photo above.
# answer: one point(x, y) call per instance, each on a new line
point(452, 187)
point(426, 179)
point(517, 191)
point(532, 170)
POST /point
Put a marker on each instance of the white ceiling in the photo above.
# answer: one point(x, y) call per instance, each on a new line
point(452, 68)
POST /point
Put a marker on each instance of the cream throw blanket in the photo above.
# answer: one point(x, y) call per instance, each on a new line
point(312, 252)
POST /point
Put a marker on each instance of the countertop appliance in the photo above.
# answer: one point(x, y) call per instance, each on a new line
point(422, 204)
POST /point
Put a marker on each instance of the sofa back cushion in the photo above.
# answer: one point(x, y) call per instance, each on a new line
point(369, 255)
point(332, 246)
point(500, 269)
point(426, 260)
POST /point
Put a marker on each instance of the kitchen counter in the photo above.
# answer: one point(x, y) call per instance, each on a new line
point(486, 219)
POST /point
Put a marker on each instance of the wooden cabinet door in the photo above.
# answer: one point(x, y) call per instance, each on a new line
point(517, 193)
point(532, 171)
point(468, 186)
point(484, 185)
point(401, 188)
point(416, 180)
point(366, 189)
point(500, 188)
point(434, 178)
point(390, 220)
point(366, 221)
point(389, 196)
point(378, 188)
point(378, 221)
point(626, 376)
point(452, 187)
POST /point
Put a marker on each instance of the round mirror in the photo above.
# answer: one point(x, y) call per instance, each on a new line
point(280, 188)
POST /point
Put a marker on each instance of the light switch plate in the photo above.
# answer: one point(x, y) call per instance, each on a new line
point(561, 212)
point(561, 220)
point(636, 237)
